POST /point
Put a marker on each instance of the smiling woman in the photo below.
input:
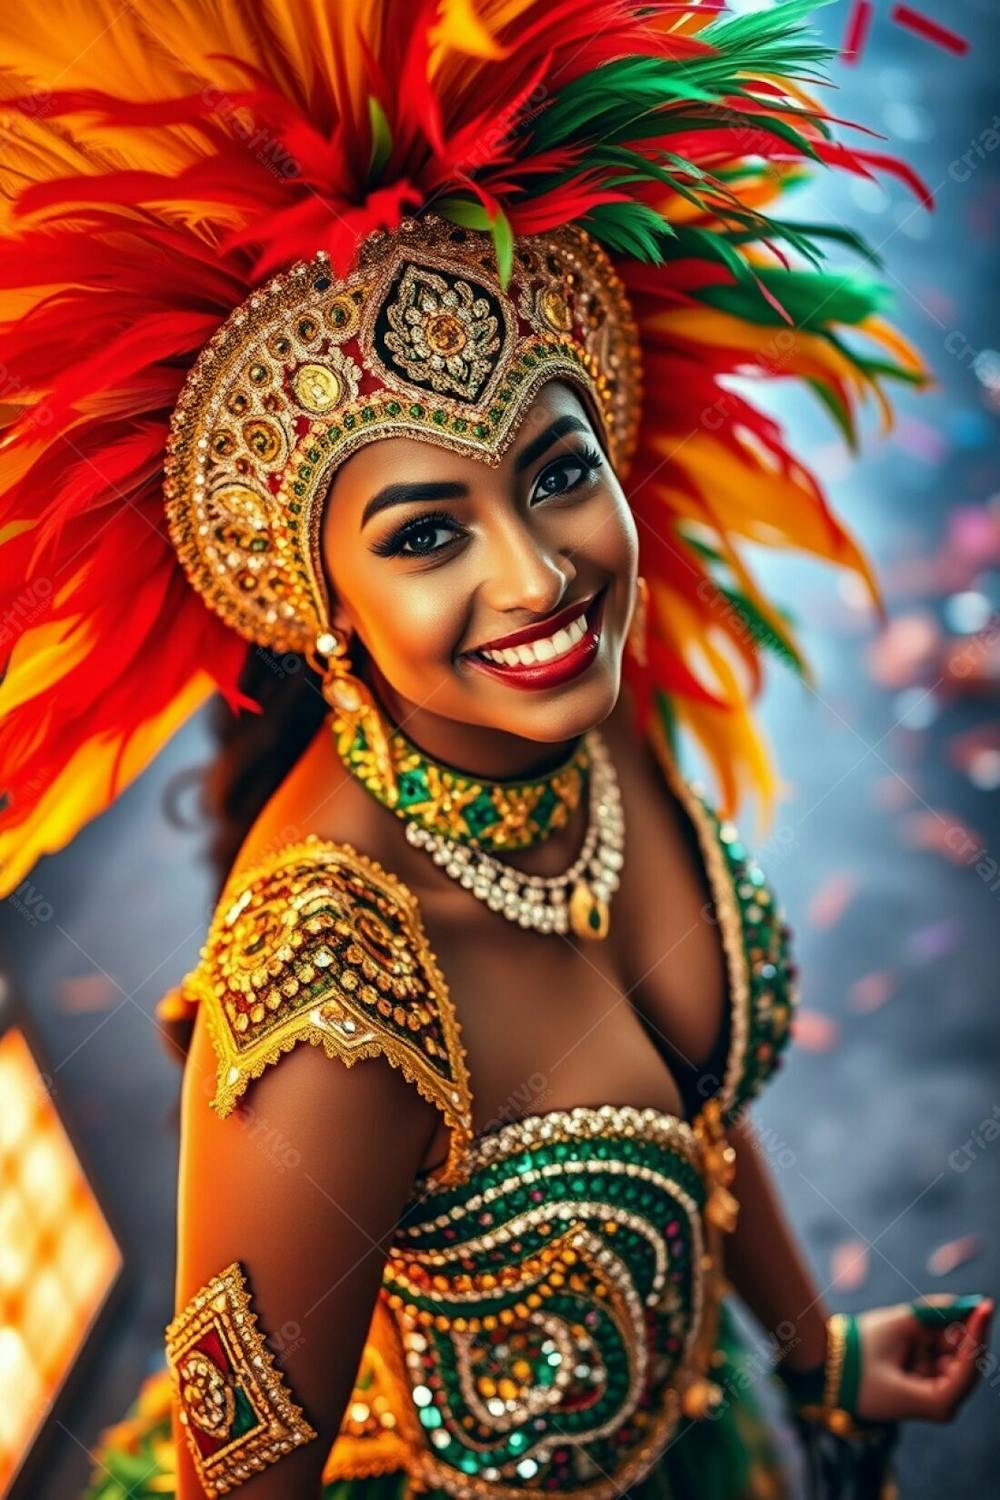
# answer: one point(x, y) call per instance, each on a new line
point(540, 548)
point(432, 423)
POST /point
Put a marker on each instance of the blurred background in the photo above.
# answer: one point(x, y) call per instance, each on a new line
point(883, 1129)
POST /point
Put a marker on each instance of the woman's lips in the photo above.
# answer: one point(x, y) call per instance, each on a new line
point(547, 674)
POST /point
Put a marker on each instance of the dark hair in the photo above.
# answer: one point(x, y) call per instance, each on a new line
point(256, 751)
point(254, 754)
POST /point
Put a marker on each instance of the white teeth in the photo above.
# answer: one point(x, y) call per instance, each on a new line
point(546, 649)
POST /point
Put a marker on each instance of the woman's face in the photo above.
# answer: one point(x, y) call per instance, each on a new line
point(434, 558)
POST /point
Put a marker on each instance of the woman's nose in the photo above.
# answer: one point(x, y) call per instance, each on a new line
point(525, 572)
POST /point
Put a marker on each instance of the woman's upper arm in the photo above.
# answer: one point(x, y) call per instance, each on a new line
point(299, 1147)
point(301, 1186)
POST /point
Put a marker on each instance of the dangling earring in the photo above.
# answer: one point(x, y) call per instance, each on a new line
point(354, 707)
point(636, 642)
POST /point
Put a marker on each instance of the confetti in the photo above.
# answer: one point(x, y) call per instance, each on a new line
point(933, 941)
point(932, 31)
point(905, 649)
point(83, 994)
point(815, 1032)
point(872, 990)
point(849, 1265)
point(829, 903)
point(942, 833)
point(919, 439)
point(856, 35)
point(954, 1253)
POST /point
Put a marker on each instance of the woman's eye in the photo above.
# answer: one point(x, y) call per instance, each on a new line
point(425, 538)
point(419, 538)
point(567, 474)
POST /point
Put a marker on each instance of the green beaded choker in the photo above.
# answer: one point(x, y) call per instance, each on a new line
point(496, 816)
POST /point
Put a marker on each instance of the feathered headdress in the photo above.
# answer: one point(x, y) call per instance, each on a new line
point(163, 161)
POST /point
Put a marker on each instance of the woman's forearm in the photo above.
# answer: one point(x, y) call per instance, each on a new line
point(764, 1263)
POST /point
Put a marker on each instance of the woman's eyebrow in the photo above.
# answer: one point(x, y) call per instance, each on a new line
point(406, 494)
point(557, 429)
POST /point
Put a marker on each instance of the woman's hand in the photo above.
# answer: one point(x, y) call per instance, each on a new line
point(919, 1364)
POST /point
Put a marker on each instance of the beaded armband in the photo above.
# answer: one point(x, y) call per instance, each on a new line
point(320, 944)
point(236, 1411)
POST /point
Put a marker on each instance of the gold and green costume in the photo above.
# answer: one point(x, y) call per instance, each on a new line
point(551, 1315)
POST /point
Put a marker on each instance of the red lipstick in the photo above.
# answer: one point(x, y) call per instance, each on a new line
point(546, 674)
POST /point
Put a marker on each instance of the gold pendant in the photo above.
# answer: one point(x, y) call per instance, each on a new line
point(588, 915)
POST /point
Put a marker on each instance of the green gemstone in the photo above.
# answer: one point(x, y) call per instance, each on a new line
point(480, 815)
point(393, 408)
point(245, 1417)
point(480, 430)
point(416, 410)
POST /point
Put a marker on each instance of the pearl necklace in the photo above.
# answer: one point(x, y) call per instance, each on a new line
point(579, 898)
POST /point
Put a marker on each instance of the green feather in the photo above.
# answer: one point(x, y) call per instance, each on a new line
point(762, 632)
point(503, 246)
point(381, 138)
point(812, 299)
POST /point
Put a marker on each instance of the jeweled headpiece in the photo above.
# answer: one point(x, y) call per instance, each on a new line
point(419, 340)
point(505, 191)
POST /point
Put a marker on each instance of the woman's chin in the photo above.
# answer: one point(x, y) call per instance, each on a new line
point(552, 714)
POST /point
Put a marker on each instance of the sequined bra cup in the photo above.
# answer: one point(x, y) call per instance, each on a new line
point(549, 1303)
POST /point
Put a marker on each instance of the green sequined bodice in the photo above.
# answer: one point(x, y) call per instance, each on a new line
point(546, 1305)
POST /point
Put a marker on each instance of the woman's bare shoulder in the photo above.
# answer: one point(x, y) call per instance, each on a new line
point(319, 799)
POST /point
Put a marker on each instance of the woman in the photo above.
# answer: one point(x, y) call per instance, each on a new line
point(492, 1260)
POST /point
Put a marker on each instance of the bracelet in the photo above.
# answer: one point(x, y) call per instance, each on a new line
point(828, 1393)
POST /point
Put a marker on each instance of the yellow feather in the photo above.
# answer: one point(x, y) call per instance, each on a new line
point(41, 657)
point(80, 791)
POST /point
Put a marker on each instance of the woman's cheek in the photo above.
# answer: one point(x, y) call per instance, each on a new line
point(419, 632)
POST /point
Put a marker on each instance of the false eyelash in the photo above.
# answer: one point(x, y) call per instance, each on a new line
point(590, 460)
point(393, 544)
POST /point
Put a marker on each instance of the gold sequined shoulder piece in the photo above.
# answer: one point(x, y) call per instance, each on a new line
point(320, 944)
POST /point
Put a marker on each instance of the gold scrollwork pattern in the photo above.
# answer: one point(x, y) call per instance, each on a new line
point(418, 340)
point(320, 944)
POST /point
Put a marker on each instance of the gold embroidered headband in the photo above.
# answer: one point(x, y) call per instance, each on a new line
point(419, 340)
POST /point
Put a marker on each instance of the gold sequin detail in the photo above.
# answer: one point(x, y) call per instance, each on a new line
point(235, 1409)
point(449, 357)
point(320, 944)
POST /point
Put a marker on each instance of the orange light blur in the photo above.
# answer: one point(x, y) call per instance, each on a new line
point(58, 1258)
